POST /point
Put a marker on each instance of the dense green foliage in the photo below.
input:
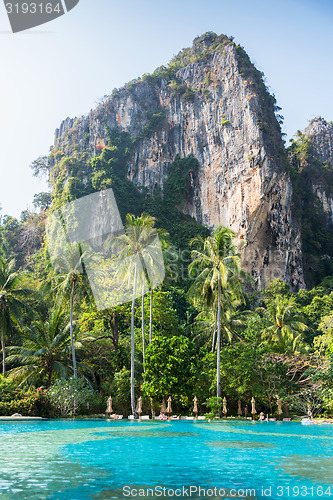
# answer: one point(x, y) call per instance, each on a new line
point(32, 402)
point(169, 369)
point(281, 346)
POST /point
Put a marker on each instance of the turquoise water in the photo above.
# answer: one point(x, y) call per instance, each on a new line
point(96, 459)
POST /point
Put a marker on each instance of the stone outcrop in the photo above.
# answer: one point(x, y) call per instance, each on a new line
point(217, 112)
point(320, 134)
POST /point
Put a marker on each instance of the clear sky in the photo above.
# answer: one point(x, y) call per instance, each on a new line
point(62, 68)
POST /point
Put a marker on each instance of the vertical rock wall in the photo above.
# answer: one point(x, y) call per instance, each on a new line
point(241, 182)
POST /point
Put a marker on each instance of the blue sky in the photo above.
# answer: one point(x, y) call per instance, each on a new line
point(62, 68)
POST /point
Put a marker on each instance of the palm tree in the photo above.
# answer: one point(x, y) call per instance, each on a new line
point(232, 321)
point(70, 264)
point(163, 236)
point(45, 350)
point(12, 303)
point(216, 267)
point(285, 327)
point(139, 255)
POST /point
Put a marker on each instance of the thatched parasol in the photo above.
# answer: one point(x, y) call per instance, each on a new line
point(163, 407)
point(109, 409)
point(195, 406)
point(225, 409)
point(139, 406)
point(253, 411)
point(169, 408)
point(309, 411)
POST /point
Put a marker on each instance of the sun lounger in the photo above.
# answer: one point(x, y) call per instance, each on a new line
point(130, 417)
point(175, 417)
point(202, 417)
point(161, 417)
point(189, 418)
point(286, 419)
point(145, 417)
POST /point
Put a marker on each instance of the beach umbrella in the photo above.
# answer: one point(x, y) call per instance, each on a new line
point(225, 409)
point(139, 406)
point(279, 404)
point(163, 407)
point(246, 411)
point(109, 409)
point(253, 411)
point(309, 411)
point(239, 407)
point(195, 406)
point(169, 408)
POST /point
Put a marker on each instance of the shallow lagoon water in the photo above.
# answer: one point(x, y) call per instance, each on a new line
point(94, 459)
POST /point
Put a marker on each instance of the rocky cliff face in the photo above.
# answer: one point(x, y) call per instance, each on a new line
point(320, 134)
point(210, 103)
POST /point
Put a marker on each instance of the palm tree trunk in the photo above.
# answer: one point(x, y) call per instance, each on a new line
point(3, 346)
point(3, 354)
point(218, 347)
point(143, 322)
point(71, 331)
point(269, 402)
point(151, 316)
point(132, 344)
point(214, 334)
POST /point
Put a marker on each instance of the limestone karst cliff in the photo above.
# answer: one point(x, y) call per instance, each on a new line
point(311, 162)
point(320, 136)
point(209, 103)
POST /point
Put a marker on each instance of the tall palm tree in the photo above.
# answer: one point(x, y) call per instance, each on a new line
point(139, 253)
point(12, 304)
point(216, 267)
point(70, 264)
point(286, 328)
point(233, 321)
point(45, 350)
point(163, 236)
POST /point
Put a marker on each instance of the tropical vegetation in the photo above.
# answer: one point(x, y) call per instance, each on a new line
point(210, 335)
point(200, 327)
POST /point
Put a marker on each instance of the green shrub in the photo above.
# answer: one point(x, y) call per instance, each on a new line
point(34, 402)
point(94, 405)
point(214, 404)
point(68, 395)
